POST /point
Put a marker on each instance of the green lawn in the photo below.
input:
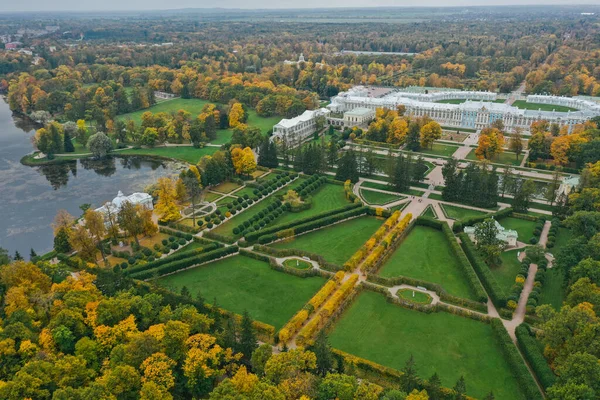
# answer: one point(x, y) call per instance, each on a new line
point(553, 290)
point(450, 345)
point(241, 283)
point(188, 154)
point(524, 105)
point(455, 212)
point(226, 228)
point(335, 243)
point(507, 158)
point(460, 101)
point(211, 196)
point(523, 227)
point(379, 198)
point(506, 273)
point(426, 254)
point(429, 212)
point(194, 107)
point(226, 187)
point(414, 295)
point(385, 186)
point(439, 149)
point(563, 237)
point(298, 264)
point(327, 197)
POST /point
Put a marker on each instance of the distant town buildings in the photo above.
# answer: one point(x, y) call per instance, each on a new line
point(477, 112)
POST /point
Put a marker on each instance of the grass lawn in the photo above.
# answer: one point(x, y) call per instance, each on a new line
point(414, 295)
point(553, 290)
point(562, 238)
point(152, 240)
point(453, 136)
point(523, 227)
point(524, 105)
point(506, 273)
point(327, 197)
point(429, 212)
point(188, 154)
point(335, 243)
point(226, 187)
point(241, 283)
point(440, 149)
point(460, 101)
point(507, 158)
point(297, 263)
point(210, 197)
point(426, 254)
point(375, 185)
point(378, 198)
point(455, 212)
point(440, 342)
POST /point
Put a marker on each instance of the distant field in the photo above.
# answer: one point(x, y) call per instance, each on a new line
point(194, 107)
point(524, 105)
point(440, 342)
point(188, 154)
point(241, 283)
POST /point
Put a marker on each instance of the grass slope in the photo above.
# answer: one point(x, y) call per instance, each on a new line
point(327, 197)
point(426, 254)
point(240, 283)
point(337, 242)
point(450, 345)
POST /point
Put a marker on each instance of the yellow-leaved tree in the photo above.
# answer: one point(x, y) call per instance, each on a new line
point(236, 115)
point(243, 160)
point(165, 206)
point(430, 132)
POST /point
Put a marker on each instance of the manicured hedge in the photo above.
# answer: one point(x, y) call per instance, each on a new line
point(185, 263)
point(177, 256)
point(532, 351)
point(483, 271)
point(302, 273)
point(464, 263)
point(256, 256)
point(312, 225)
point(176, 233)
point(514, 359)
point(253, 236)
point(217, 237)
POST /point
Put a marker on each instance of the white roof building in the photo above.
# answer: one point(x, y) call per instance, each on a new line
point(476, 112)
point(300, 127)
point(114, 206)
point(508, 236)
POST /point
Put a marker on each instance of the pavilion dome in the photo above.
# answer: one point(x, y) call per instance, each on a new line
point(119, 200)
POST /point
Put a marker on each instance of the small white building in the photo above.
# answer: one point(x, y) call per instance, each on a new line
point(360, 116)
point(114, 206)
point(508, 236)
point(299, 128)
point(568, 184)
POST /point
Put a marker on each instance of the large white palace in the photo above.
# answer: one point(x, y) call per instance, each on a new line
point(299, 128)
point(478, 111)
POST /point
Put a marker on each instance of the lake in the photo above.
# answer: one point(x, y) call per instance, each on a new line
point(31, 196)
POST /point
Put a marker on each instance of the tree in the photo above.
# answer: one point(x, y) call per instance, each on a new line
point(61, 241)
point(338, 386)
point(524, 190)
point(82, 240)
point(193, 188)
point(515, 144)
point(99, 144)
point(165, 206)
point(236, 115)
point(460, 389)
point(413, 137)
point(94, 222)
point(410, 379)
point(430, 132)
point(508, 181)
point(553, 187)
point(260, 357)
point(243, 160)
point(292, 198)
point(81, 132)
point(491, 142)
point(434, 387)
point(347, 167)
point(32, 254)
point(130, 220)
point(323, 353)
point(248, 342)
point(67, 143)
point(487, 243)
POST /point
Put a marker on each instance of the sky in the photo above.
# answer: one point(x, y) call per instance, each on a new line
point(108, 5)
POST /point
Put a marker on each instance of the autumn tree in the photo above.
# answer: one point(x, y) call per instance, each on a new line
point(490, 145)
point(99, 144)
point(515, 143)
point(430, 132)
point(94, 223)
point(166, 206)
point(236, 115)
point(243, 160)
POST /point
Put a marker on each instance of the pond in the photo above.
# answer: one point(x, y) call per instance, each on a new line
point(31, 196)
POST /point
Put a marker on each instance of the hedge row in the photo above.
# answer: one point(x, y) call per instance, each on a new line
point(370, 244)
point(483, 271)
point(464, 263)
point(349, 194)
point(185, 263)
point(302, 273)
point(176, 233)
point(253, 236)
point(298, 253)
point(459, 225)
point(177, 256)
point(552, 234)
point(264, 332)
point(514, 359)
point(310, 185)
point(256, 256)
point(315, 302)
point(312, 225)
point(217, 237)
point(263, 218)
point(374, 259)
point(532, 351)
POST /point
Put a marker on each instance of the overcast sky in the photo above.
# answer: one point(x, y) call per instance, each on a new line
point(105, 5)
